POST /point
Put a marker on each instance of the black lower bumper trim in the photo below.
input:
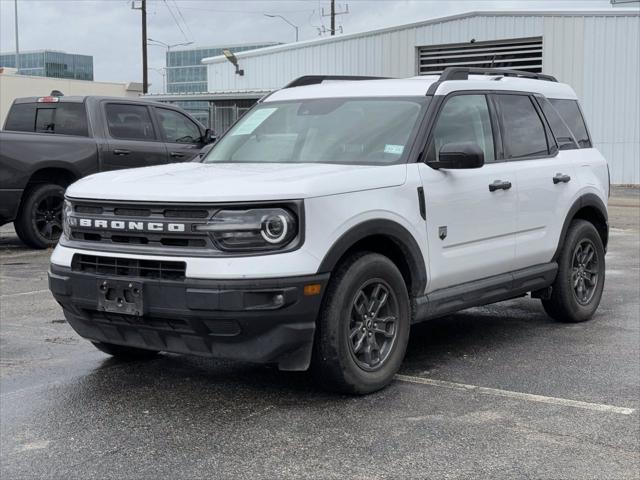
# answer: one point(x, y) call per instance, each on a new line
point(263, 321)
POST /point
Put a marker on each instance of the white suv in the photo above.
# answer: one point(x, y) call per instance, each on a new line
point(335, 214)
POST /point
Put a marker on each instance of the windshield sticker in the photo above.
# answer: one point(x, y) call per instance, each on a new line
point(253, 122)
point(395, 149)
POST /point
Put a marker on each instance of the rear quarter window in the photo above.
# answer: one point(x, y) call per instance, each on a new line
point(561, 132)
point(571, 114)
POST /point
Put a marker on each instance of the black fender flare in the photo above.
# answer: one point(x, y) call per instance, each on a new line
point(398, 234)
point(587, 200)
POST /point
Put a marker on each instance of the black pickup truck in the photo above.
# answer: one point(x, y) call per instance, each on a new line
point(50, 142)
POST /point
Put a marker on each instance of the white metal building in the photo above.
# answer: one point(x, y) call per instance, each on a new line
point(597, 52)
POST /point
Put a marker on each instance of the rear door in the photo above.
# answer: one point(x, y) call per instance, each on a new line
point(545, 173)
point(183, 137)
point(133, 141)
point(470, 226)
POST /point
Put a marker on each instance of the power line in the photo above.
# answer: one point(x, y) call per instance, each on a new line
point(182, 16)
point(175, 19)
point(218, 10)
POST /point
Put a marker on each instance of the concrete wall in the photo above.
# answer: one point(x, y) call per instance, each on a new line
point(598, 53)
point(15, 86)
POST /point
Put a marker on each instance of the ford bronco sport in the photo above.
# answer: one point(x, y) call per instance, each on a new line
point(337, 213)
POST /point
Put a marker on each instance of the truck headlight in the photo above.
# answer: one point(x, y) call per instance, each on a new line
point(67, 209)
point(252, 229)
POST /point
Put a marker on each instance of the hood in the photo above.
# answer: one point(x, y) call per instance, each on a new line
point(225, 182)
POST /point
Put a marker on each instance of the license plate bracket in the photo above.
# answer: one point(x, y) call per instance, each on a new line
point(120, 296)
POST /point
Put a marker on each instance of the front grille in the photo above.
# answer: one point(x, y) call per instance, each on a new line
point(129, 267)
point(187, 217)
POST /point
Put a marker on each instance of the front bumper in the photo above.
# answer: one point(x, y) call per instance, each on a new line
point(216, 318)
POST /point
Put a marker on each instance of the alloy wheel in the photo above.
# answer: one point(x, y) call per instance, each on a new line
point(372, 329)
point(584, 272)
point(48, 217)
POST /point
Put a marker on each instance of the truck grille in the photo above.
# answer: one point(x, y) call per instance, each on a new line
point(129, 267)
point(108, 223)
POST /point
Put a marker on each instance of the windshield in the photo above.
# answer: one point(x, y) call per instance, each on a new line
point(328, 130)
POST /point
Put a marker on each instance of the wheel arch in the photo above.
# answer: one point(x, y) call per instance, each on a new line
point(387, 238)
point(60, 175)
point(591, 208)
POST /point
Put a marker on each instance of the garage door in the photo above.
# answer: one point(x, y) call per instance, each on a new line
point(518, 53)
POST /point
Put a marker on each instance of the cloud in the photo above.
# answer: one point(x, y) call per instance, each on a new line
point(111, 31)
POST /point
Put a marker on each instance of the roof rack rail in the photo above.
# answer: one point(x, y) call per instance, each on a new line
point(462, 73)
point(316, 79)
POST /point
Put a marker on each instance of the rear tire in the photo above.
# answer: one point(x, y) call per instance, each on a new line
point(125, 353)
point(363, 327)
point(39, 220)
point(577, 289)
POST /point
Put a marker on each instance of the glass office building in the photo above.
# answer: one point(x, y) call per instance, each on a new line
point(50, 63)
point(185, 73)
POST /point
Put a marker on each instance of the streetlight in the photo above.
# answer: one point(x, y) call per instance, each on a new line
point(167, 46)
point(280, 16)
point(158, 43)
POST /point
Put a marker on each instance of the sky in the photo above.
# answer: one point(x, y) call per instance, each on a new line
point(111, 31)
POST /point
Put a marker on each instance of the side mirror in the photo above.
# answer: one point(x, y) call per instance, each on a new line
point(210, 136)
point(459, 155)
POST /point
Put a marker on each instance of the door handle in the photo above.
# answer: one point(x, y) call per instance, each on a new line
point(499, 185)
point(176, 154)
point(117, 151)
point(560, 177)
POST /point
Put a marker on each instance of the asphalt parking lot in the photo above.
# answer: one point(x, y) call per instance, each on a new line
point(500, 391)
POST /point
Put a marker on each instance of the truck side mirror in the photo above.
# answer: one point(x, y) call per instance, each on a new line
point(210, 136)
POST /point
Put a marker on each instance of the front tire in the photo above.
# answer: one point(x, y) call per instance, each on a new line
point(363, 327)
point(577, 290)
point(39, 221)
point(124, 353)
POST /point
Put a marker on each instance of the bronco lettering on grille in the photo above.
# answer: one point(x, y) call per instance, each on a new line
point(131, 226)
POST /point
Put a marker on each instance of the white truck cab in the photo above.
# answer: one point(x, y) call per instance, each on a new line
point(335, 214)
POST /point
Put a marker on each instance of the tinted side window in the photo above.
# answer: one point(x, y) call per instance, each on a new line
point(44, 120)
point(71, 119)
point(570, 113)
point(131, 122)
point(177, 127)
point(560, 130)
point(464, 118)
point(524, 134)
point(21, 118)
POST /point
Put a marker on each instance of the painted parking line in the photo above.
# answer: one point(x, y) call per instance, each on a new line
point(598, 407)
point(33, 292)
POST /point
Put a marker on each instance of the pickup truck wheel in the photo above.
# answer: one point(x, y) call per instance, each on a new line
point(124, 353)
point(577, 290)
point(39, 221)
point(363, 327)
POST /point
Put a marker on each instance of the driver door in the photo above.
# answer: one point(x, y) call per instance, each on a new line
point(182, 136)
point(470, 227)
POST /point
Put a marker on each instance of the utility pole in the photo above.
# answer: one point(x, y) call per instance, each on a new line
point(145, 79)
point(333, 17)
point(15, 5)
point(333, 14)
point(143, 10)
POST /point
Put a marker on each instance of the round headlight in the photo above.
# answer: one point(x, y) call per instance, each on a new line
point(274, 228)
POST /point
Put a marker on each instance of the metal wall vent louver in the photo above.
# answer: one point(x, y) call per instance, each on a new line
point(519, 53)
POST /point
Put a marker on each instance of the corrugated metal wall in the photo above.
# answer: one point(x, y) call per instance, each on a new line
point(597, 53)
